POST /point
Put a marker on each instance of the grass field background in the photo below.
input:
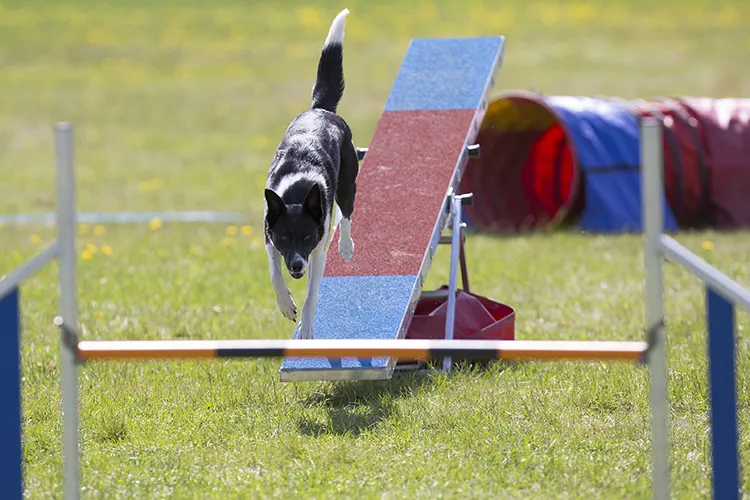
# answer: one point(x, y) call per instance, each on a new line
point(179, 105)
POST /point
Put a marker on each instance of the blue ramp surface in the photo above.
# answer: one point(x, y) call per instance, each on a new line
point(351, 307)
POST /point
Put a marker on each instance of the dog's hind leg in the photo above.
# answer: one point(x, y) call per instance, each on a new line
point(283, 297)
point(346, 243)
point(345, 193)
point(315, 271)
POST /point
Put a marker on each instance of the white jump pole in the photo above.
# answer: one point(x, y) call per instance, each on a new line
point(653, 221)
point(66, 229)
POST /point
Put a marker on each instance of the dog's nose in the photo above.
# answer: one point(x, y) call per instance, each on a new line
point(297, 265)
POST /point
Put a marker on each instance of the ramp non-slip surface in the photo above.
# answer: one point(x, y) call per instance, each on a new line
point(431, 115)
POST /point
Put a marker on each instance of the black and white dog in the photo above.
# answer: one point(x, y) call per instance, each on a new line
point(315, 164)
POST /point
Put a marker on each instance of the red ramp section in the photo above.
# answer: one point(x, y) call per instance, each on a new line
point(401, 189)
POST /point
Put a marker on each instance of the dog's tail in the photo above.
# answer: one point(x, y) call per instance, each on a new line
point(329, 85)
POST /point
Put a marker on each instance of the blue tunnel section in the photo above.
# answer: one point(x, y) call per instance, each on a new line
point(606, 143)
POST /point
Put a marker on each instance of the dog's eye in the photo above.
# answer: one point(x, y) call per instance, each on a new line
point(284, 238)
point(308, 237)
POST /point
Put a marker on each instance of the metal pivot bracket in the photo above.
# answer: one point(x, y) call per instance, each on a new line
point(472, 150)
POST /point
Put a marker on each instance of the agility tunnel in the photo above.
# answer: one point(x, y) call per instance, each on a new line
point(574, 161)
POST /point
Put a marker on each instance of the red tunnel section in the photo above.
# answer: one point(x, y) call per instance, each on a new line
point(525, 176)
point(686, 165)
point(725, 133)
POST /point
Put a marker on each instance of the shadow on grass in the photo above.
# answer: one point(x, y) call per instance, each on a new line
point(354, 407)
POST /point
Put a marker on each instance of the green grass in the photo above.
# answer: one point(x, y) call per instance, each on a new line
point(180, 106)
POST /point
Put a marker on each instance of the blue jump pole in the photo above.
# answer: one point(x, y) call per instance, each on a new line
point(11, 475)
point(722, 393)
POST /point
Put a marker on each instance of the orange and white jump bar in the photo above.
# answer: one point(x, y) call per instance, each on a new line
point(403, 349)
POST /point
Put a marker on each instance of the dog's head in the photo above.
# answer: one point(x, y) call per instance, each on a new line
point(295, 230)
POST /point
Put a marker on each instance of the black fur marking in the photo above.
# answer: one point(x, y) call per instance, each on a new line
point(329, 86)
point(313, 204)
point(316, 149)
point(276, 207)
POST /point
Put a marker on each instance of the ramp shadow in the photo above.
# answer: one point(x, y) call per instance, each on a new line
point(354, 407)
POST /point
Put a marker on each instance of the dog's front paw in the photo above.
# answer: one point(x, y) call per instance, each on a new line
point(286, 305)
point(306, 331)
point(346, 248)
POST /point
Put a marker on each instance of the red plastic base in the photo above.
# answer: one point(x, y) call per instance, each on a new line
point(477, 318)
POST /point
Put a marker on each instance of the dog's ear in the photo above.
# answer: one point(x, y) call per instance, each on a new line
point(314, 203)
point(276, 207)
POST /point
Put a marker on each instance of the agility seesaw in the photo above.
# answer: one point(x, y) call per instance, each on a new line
point(406, 195)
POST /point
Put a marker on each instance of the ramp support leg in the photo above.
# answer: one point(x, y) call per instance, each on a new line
point(457, 253)
point(462, 259)
point(448, 240)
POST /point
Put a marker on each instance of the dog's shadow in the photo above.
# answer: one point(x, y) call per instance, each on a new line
point(354, 407)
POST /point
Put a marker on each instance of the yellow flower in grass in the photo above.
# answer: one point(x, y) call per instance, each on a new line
point(36, 239)
point(99, 314)
point(151, 185)
point(581, 12)
point(246, 230)
point(87, 255)
point(227, 242)
point(309, 16)
point(155, 224)
point(106, 250)
point(708, 245)
point(232, 231)
point(91, 248)
point(99, 230)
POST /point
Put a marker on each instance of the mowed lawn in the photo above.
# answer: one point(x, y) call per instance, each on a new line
point(179, 105)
